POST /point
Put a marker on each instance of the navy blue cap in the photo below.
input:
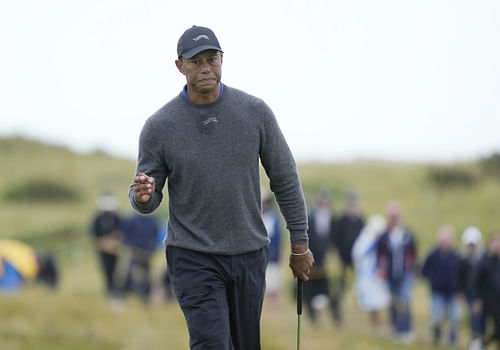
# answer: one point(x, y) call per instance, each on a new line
point(195, 40)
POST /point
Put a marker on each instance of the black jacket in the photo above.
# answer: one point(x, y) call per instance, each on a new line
point(347, 230)
point(319, 244)
point(488, 280)
point(467, 275)
point(441, 269)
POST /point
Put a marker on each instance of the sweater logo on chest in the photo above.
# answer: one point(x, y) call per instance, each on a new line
point(210, 120)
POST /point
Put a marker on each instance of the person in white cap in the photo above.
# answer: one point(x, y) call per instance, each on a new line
point(471, 239)
point(487, 296)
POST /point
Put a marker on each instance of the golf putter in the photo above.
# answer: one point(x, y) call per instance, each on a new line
point(300, 289)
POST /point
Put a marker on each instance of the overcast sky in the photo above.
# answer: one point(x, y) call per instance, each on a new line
point(397, 80)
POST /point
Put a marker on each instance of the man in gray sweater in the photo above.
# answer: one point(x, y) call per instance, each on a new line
point(206, 144)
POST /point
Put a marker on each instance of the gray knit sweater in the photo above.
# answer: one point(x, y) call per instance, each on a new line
point(209, 156)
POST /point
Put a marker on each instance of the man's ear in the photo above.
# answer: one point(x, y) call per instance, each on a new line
point(178, 63)
point(221, 56)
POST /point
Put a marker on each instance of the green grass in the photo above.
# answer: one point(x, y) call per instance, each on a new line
point(77, 315)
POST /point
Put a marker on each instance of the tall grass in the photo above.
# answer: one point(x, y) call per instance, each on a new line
point(78, 316)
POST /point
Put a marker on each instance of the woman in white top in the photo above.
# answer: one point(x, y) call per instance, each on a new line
point(371, 291)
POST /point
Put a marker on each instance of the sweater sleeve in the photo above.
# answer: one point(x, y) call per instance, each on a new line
point(150, 161)
point(280, 167)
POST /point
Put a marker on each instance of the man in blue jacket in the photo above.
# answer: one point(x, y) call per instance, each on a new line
point(441, 269)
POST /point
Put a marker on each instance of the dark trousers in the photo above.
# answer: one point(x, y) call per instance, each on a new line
point(108, 263)
point(401, 291)
point(314, 287)
point(477, 321)
point(491, 304)
point(221, 297)
point(138, 280)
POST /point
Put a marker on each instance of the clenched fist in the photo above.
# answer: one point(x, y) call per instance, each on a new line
point(144, 187)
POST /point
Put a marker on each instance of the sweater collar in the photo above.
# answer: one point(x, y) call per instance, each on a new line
point(185, 93)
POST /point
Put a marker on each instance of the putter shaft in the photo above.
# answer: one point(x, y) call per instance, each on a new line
point(300, 289)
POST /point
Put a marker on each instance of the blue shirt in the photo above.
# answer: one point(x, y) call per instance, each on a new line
point(185, 91)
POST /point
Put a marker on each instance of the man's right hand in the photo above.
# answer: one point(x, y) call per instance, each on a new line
point(477, 307)
point(144, 187)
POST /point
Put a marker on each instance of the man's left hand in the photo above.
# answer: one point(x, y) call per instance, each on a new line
point(301, 264)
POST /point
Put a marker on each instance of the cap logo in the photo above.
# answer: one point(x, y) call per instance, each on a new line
point(202, 36)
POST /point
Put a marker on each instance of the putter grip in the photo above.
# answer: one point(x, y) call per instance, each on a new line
point(300, 292)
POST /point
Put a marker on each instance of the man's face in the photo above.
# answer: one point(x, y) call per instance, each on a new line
point(323, 203)
point(494, 245)
point(471, 248)
point(351, 206)
point(393, 215)
point(445, 243)
point(203, 71)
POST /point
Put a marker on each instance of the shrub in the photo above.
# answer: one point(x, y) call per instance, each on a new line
point(491, 165)
point(41, 190)
point(447, 176)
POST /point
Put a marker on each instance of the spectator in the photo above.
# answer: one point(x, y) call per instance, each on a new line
point(347, 230)
point(273, 271)
point(321, 227)
point(441, 269)
point(488, 290)
point(162, 288)
point(141, 237)
point(371, 291)
point(21, 264)
point(107, 234)
point(396, 260)
point(48, 274)
point(471, 239)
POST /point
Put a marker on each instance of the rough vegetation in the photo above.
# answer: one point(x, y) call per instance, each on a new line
point(77, 316)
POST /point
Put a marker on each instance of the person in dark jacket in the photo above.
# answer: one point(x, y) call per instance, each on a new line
point(321, 227)
point(441, 270)
point(396, 261)
point(347, 230)
point(467, 271)
point(48, 272)
point(141, 237)
point(107, 233)
point(488, 289)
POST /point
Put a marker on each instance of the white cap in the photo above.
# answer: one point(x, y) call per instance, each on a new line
point(471, 235)
point(376, 224)
point(107, 202)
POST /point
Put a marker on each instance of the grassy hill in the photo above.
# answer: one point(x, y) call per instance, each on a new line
point(48, 196)
point(32, 165)
point(428, 201)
